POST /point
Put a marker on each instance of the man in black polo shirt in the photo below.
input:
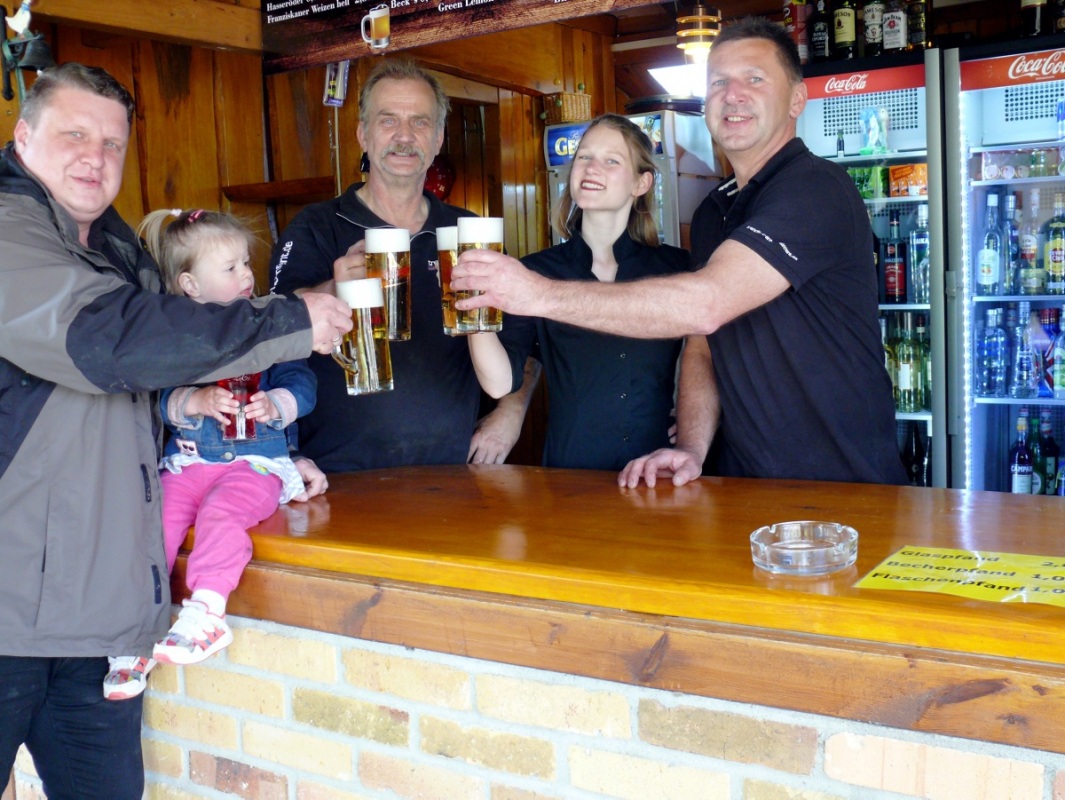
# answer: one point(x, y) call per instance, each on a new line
point(786, 294)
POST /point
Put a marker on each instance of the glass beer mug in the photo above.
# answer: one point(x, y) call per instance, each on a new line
point(479, 233)
point(363, 352)
point(447, 239)
point(388, 258)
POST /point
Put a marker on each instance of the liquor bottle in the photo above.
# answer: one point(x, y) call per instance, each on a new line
point(913, 453)
point(1036, 451)
point(990, 255)
point(910, 368)
point(925, 346)
point(1057, 365)
point(890, 364)
point(894, 262)
point(1050, 319)
point(1021, 459)
point(917, 28)
point(896, 37)
point(1011, 243)
point(819, 32)
point(873, 26)
point(1031, 276)
point(1034, 17)
point(1040, 342)
point(1022, 372)
point(844, 29)
point(1058, 22)
point(1054, 247)
point(1051, 453)
point(920, 273)
point(795, 25)
point(992, 353)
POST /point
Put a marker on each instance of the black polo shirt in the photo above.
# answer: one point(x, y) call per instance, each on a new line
point(804, 392)
point(610, 398)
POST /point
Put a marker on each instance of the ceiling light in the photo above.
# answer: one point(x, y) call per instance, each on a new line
point(696, 32)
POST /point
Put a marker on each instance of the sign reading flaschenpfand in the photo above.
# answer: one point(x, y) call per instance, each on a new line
point(309, 33)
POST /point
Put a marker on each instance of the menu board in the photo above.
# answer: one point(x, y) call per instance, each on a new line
point(307, 33)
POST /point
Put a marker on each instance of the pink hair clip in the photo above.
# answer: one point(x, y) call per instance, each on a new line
point(195, 215)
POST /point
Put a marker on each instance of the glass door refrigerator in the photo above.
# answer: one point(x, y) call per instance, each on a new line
point(1005, 112)
point(683, 152)
point(881, 120)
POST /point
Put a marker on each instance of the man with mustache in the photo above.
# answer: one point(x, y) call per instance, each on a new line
point(785, 294)
point(431, 415)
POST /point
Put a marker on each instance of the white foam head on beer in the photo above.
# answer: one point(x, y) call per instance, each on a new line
point(362, 293)
point(480, 230)
point(447, 238)
point(387, 240)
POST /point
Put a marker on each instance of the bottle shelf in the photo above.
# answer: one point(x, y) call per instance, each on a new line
point(1017, 298)
point(905, 306)
point(916, 416)
point(879, 159)
point(1016, 147)
point(1018, 401)
point(906, 199)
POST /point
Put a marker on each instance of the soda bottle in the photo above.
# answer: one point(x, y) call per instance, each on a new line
point(1021, 459)
point(918, 254)
point(1054, 247)
point(1050, 451)
point(989, 257)
point(894, 261)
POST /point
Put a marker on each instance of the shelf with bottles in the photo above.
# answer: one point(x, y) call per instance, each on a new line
point(1019, 354)
point(908, 361)
point(1038, 470)
point(1031, 163)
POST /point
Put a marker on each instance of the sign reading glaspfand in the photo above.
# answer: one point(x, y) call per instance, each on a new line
point(306, 33)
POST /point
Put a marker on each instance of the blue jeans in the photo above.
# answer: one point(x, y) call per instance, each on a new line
point(83, 746)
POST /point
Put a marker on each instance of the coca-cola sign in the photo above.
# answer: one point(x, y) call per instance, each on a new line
point(989, 73)
point(874, 80)
point(846, 85)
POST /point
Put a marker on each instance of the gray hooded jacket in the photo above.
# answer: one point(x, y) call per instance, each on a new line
point(85, 339)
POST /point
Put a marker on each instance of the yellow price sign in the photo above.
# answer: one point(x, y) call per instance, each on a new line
point(977, 574)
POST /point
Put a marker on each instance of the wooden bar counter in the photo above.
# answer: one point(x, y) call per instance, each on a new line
point(562, 570)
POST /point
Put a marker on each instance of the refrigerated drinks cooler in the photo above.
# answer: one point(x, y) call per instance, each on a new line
point(884, 125)
point(684, 155)
point(1008, 108)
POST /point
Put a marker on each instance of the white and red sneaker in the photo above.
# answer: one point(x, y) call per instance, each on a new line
point(195, 636)
point(128, 676)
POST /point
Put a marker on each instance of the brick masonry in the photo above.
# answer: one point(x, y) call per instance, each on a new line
point(291, 714)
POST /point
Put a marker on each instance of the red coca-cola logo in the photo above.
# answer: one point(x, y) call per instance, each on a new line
point(1038, 67)
point(851, 83)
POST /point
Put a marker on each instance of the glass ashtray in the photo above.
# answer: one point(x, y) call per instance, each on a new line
point(804, 547)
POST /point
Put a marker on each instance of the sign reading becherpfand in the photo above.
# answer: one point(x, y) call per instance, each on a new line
point(991, 73)
point(865, 82)
point(309, 33)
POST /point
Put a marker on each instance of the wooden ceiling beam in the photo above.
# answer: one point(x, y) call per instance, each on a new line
point(221, 24)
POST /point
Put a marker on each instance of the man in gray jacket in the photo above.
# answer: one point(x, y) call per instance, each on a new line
point(85, 337)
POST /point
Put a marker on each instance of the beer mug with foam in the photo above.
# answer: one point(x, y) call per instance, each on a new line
point(363, 352)
point(388, 258)
point(447, 247)
point(479, 233)
point(376, 28)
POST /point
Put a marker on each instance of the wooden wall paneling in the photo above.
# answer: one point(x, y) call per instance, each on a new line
point(473, 173)
point(299, 131)
point(493, 159)
point(239, 131)
point(176, 93)
point(117, 56)
point(522, 60)
point(567, 79)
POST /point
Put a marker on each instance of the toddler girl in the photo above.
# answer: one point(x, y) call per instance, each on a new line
point(218, 476)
